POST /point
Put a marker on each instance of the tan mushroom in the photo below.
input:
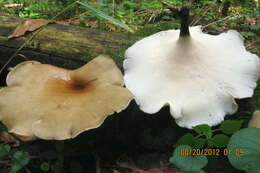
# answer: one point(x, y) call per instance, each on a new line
point(48, 102)
point(255, 120)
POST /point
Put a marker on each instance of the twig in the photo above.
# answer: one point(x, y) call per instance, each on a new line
point(225, 18)
point(21, 55)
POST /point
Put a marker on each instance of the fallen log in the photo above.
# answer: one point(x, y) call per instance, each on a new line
point(65, 46)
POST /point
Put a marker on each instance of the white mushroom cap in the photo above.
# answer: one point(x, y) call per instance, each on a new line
point(255, 120)
point(198, 76)
point(48, 102)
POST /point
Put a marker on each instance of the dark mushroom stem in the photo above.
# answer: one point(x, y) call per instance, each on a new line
point(184, 14)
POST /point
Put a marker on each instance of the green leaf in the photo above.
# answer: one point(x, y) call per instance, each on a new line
point(199, 143)
point(188, 163)
point(220, 140)
point(204, 129)
point(100, 3)
point(248, 34)
point(45, 167)
point(231, 126)
point(210, 143)
point(245, 150)
point(255, 27)
point(105, 16)
point(19, 160)
point(187, 139)
point(4, 150)
point(208, 134)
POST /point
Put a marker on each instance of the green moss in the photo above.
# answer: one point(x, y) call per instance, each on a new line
point(117, 56)
point(88, 57)
point(150, 29)
point(3, 38)
point(70, 65)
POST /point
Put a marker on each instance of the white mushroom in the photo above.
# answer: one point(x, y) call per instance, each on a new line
point(48, 102)
point(198, 75)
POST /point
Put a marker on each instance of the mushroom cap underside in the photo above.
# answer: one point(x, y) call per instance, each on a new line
point(197, 76)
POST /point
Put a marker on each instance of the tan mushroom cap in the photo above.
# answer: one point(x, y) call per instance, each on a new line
point(255, 120)
point(54, 103)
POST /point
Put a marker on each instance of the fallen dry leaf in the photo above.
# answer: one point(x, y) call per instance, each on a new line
point(28, 25)
point(6, 137)
point(251, 20)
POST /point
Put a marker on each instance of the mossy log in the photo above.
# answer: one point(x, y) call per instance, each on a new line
point(66, 46)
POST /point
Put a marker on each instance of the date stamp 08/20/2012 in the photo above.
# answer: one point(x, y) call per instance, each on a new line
point(212, 152)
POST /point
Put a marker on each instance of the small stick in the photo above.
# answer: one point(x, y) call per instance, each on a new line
point(21, 55)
